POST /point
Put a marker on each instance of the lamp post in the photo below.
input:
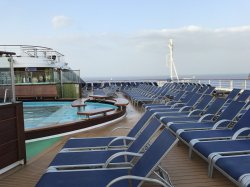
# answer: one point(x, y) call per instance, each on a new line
point(12, 79)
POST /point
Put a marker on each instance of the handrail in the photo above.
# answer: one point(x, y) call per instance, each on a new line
point(220, 83)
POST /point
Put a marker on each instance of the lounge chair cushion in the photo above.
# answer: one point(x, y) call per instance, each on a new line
point(104, 141)
point(181, 119)
point(174, 127)
point(84, 157)
point(89, 142)
point(189, 135)
point(235, 166)
point(87, 178)
point(206, 148)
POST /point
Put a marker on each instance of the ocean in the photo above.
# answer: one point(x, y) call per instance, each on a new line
point(207, 76)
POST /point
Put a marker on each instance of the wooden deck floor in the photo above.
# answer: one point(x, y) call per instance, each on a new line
point(183, 171)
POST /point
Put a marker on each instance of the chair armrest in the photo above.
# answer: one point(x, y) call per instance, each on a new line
point(120, 138)
point(204, 116)
point(168, 103)
point(185, 108)
point(125, 153)
point(218, 123)
point(193, 111)
point(132, 177)
point(118, 128)
point(245, 179)
point(176, 104)
point(238, 132)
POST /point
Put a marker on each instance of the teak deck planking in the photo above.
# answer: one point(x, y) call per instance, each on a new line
point(183, 171)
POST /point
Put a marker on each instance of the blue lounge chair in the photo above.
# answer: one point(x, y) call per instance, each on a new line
point(105, 142)
point(156, 97)
point(235, 167)
point(241, 97)
point(192, 137)
point(209, 114)
point(101, 156)
point(177, 106)
point(189, 109)
point(121, 177)
point(244, 96)
point(181, 96)
point(177, 98)
point(232, 95)
point(210, 150)
point(210, 90)
point(226, 118)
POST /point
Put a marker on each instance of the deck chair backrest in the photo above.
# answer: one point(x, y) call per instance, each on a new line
point(216, 106)
point(202, 89)
point(164, 92)
point(210, 90)
point(244, 121)
point(152, 157)
point(231, 110)
point(194, 99)
point(243, 96)
point(183, 86)
point(189, 88)
point(138, 126)
point(153, 126)
point(233, 94)
point(187, 97)
point(196, 88)
point(206, 99)
point(179, 95)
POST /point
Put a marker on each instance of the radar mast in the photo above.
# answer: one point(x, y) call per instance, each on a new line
point(172, 68)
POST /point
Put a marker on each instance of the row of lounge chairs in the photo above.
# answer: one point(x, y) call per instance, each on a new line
point(208, 125)
point(170, 91)
point(217, 129)
point(113, 161)
point(119, 85)
point(110, 89)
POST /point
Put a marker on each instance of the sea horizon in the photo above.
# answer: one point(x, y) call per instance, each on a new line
point(198, 76)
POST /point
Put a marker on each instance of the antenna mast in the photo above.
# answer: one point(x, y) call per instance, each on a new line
point(172, 69)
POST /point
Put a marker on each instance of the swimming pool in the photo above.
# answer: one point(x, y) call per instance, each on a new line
point(40, 114)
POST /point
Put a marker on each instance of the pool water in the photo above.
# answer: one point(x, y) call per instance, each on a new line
point(40, 114)
point(35, 148)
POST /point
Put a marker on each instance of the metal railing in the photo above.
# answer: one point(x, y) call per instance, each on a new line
point(220, 84)
point(70, 76)
point(224, 84)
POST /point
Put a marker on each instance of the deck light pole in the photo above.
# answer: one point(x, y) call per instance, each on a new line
point(12, 79)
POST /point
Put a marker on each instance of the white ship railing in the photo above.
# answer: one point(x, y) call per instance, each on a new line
point(223, 84)
point(219, 84)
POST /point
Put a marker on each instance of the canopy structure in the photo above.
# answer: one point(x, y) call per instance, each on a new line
point(7, 53)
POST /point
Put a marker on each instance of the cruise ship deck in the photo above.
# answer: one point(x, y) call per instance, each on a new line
point(183, 171)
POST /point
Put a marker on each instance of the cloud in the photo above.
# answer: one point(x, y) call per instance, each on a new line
point(200, 50)
point(234, 29)
point(197, 50)
point(59, 22)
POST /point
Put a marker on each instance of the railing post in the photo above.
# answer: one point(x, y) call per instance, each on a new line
point(13, 89)
point(245, 86)
point(231, 84)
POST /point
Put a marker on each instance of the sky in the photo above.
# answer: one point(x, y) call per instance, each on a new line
point(129, 38)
